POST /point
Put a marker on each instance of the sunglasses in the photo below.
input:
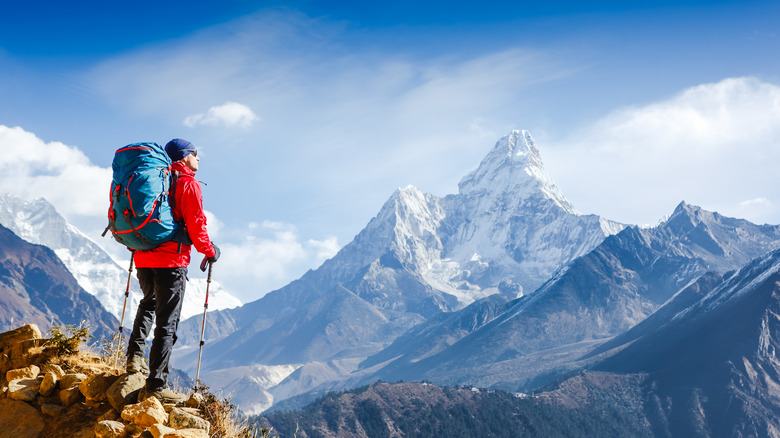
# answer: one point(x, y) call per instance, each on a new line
point(195, 152)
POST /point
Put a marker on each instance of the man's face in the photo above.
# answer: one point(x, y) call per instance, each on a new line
point(191, 161)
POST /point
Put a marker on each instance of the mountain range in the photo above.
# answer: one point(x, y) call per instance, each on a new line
point(36, 288)
point(439, 289)
point(505, 285)
point(600, 295)
point(506, 231)
point(37, 221)
point(704, 364)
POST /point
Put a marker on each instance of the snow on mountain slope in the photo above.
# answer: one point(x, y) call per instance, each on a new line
point(511, 224)
point(38, 222)
point(507, 231)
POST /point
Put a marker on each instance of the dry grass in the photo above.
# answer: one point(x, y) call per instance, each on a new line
point(225, 421)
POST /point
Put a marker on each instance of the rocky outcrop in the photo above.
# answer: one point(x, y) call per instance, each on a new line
point(80, 396)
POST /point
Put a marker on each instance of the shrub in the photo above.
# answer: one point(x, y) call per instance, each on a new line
point(62, 344)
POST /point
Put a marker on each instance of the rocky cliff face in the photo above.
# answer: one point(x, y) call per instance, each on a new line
point(713, 348)
point(704, 364)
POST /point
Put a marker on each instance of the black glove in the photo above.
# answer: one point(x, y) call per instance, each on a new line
point(212, 259)
point(217, 252)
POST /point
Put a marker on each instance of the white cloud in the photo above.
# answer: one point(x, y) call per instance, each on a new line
point(227, 114)
point(712, 145)
point(31, 168)
point(268, 257)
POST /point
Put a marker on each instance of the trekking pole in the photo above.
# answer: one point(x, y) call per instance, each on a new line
point(203, 323)
point(124, 306)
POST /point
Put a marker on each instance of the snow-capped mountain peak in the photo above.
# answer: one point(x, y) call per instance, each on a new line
point(514, 170)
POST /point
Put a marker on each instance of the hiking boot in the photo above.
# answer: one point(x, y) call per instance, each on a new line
point(165, 395)
point(137, 364)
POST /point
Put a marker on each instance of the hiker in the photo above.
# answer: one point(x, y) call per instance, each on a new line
point(162, 274)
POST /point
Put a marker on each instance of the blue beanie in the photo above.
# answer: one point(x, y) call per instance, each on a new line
point(178, 149)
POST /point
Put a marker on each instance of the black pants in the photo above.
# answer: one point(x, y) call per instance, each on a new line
point(163, 290)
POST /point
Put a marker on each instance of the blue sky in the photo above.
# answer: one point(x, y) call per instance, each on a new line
point(309, 114)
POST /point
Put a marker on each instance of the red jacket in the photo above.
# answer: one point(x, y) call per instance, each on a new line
point(188, 209)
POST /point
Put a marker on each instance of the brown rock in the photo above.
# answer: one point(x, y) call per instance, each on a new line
point(94, 387)
point(28, 372)
point(23, 389)
point(109, 429)
point(69, 396)
point(21, 352)
point(134, 430)
point(5, 363)
point(52, 410)
point(8, 339)
point(71, 380)
point(195, 400)
point(160, 431)
point(181, 419)
point(92, 404)
point(48, 384)
point(53, 368)
point(146, 413)
point(20, 420)
point(110, 415)
point(125, 390)
point(53, 399)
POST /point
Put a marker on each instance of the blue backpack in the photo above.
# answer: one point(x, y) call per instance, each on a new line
point(140, 214)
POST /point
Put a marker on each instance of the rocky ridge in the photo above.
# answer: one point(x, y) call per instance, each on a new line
point(46, 394)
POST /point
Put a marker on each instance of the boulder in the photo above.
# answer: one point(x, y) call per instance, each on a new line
point(53, 368)
point(161, 431)
point(195, 400)
point(8, 339)
point(109, 429)
point(5, 363)
point(24, 389)
point(125, 390)
point(146, 413)
point(20, 420)
point(71, 380)
point(111, 415)
point(69, 396)
point(21, 353)
point(28, 372)
point(48, 384)
point(52, 410)
point(181, 419)
point(94, 387)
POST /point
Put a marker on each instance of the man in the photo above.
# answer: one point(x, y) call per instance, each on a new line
point(162, 274)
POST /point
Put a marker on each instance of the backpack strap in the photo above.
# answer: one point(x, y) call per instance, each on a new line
point(182, 237)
